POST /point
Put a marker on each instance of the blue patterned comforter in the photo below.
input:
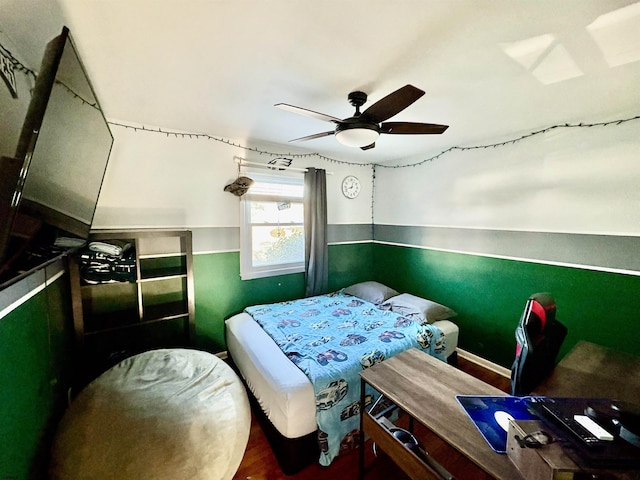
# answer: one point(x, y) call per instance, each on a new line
point(331, 338)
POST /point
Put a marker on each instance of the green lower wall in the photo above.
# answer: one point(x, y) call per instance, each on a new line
point(35, 372)
point(220, 293)
point(489, 295)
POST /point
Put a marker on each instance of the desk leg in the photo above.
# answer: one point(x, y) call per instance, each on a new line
point(362, 413)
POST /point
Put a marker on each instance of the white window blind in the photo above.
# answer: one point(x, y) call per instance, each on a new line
point(272, 226)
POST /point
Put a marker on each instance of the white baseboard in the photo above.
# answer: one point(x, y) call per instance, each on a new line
point(483, 362)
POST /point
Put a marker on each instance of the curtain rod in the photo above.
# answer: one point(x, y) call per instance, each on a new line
point(241, 161)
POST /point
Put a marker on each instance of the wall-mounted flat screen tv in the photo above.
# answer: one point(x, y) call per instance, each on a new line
point(54, 178)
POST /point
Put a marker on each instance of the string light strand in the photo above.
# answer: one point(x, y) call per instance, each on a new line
point(373, 194)
point(406, 165)
point(231, 143)
point(78, 96)
point(515, 140)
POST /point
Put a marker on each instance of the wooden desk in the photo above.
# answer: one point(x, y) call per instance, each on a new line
point(425, 388)
point(590, 370)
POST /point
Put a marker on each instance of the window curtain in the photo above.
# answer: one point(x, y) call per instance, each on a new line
point(316, 255)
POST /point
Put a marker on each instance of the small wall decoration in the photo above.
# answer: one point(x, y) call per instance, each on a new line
point(240, 186)
point(8, 74)
point(350, 186)
point(281, 161)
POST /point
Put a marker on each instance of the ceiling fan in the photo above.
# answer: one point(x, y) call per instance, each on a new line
point(363, 128)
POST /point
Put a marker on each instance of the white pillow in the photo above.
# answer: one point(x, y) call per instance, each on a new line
point(373, 292)
point(417, 308)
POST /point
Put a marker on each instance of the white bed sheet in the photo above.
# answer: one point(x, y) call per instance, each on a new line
point(283, 391)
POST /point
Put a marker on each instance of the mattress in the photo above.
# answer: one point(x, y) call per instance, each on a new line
point(283, 391)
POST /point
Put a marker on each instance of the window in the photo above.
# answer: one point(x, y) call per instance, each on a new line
point(272, 226)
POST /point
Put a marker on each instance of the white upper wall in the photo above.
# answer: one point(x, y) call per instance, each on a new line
point(155, 180)
point(576, 180)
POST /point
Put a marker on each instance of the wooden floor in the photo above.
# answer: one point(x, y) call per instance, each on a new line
point(259, 463)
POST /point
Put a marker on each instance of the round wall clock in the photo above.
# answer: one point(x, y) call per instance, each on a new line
point(350, 186)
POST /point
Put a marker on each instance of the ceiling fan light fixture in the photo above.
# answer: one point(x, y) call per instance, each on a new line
point(357, 135)
point(363, 128)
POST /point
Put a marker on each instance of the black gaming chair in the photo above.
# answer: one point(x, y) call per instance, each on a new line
point(539, 337)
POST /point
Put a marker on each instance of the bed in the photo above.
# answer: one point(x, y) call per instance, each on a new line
point(369, 319)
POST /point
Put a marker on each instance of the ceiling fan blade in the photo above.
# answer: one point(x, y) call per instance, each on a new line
point(393, 103)
point(412, 128)
point(307, 112)
point(368, 147)
point(311, 137)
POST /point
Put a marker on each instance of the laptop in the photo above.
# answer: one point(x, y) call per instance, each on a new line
point(556, 415)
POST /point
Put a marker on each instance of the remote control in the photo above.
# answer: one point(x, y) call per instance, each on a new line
point(595, 429)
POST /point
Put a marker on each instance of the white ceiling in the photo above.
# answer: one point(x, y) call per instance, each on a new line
point(492, 69)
